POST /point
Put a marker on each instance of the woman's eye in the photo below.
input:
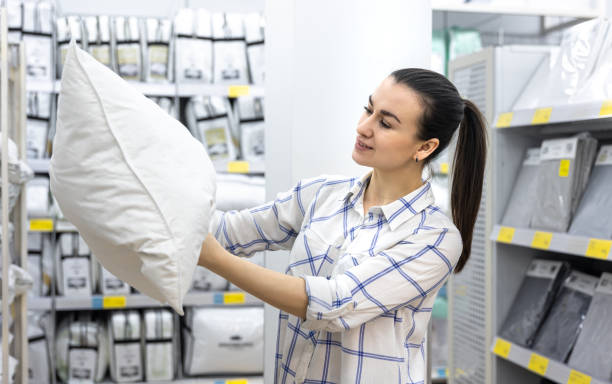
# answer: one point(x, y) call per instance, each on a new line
point(384, 124)
point(368, 110)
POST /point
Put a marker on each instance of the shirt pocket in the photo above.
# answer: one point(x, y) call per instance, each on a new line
point(311, 255)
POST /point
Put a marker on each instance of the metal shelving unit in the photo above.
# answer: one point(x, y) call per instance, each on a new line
point(541, 365)
point(518, 10)
point(211, 380)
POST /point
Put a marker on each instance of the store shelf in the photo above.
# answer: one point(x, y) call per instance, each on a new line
point(509, 9)
point(569, 113)
point(194, 89)
point(39, 165)
point(244, 167)
point(439, 374)
point(209, 380)
point(39, 303)
point(71, 303)
point(551, 369)
point(553, 241)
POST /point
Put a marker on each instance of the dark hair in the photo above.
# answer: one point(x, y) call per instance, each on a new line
point(444, 110)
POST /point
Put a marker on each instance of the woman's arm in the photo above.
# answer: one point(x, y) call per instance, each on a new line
point(287, 293)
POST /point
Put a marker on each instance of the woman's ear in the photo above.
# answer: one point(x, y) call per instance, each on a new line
point(427, 148)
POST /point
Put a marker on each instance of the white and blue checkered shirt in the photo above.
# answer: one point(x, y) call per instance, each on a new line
point(371, 280)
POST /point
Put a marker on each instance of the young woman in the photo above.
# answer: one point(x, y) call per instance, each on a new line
point(369, 254)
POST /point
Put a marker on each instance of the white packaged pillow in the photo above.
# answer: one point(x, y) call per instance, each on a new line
point(136, 184)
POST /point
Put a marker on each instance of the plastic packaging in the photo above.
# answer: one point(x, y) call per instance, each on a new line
point(129, 52)
point(522, 199)
point(591, 354)
point(559, 332)
point(252, 128)
point(533, 300)
point(160, 348)
point(194, 47)
point(126, 353)
point(230, 60)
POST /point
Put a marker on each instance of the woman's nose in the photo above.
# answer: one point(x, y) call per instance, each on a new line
point(364, 128)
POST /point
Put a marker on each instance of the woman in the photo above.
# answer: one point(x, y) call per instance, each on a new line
point(368, 255)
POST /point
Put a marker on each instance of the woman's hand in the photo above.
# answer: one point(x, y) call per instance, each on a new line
point(287, 293)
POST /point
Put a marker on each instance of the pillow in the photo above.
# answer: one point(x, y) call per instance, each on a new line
point(138, 187)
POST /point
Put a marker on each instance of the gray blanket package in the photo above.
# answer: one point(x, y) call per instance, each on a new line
point(223, 340)
point(533, 301)
point(126, 353)
point(592, 216)
point(591, 354)
point(561, 328)
point(160, 348)
point(522, 199)
point(565, 165)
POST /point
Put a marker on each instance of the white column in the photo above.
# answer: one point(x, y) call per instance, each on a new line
point(323, 59)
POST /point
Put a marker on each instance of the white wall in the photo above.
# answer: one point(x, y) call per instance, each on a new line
point(323, 59)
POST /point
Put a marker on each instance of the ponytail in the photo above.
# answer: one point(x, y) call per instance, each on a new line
point(468, 176)
point(443, 111)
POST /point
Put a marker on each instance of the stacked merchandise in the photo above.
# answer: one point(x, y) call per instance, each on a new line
point(98, 35)
point(533, 301)
point(564, 316)
point(165, 103)
point(76, 275)
point(255, 37)
point(38, 351)
point(252, 127)
point(194, 47)
point(125, 352)
point(68, 28)
point(37, 35)
point(160, 346)
point(40, 263)
point(210, 120)
point(237, 192)
point(590, 219)
point(38, 124)
point(551, 182)
point(158, 66)
point(229, 49)
point(223, 340)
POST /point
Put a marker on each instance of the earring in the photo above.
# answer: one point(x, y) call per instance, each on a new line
point(417, 159)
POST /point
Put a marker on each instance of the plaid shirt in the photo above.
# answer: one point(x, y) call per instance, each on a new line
point(371, 280)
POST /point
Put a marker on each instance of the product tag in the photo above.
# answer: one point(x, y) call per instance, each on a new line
point(76, 273)
point(605, 284)
point(558, 149)
point(82, 365)
point(128, 362)
point(532, 156)
point(582, 282)
point(605, 155)
point(545, 269)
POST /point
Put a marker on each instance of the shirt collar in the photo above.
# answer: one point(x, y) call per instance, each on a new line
point(398, 211)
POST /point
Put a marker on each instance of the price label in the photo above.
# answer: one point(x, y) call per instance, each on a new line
point(41, 225)
point(233, 298)
point(599, 249)
point(238, 90)
point(237, 381)
point(502, 348)
point(506, 234)
point(541, 240)
point(504, 120)
point(538, 364)
point(576, 377)
point(113, 302)
point(238, 167)
point(541, 116)
point(606, 108)
point(564, 168)
point(444, 168)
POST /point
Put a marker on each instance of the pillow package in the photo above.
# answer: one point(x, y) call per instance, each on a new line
point(136, 184)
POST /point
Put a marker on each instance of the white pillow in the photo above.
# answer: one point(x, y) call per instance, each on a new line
point(132, 179)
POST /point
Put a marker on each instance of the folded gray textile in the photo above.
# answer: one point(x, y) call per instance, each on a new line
point(522, 199)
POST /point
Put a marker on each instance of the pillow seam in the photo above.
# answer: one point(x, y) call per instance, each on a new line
point(133, 171)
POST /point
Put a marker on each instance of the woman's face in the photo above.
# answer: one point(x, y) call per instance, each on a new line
point(387, 130)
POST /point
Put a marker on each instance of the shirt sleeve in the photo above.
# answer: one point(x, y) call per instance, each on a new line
point(271, 226)
point(400, 276)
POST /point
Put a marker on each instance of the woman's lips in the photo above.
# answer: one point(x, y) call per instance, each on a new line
point(360, 146)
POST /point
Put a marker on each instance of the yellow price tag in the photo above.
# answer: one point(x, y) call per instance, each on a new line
point(599, 249)
point(237, 381)
point(538, 364)
point(541, 116)
point(444, 168)
point(576, 377)
point(238, 167)
point(506, 234)
point(233, 298)
point(606, 108)
point(502, 348)
point(541, 240)
point(238, 90)
point(41, 225)
point(112, 302)
point(504, 120)
point(564, 168)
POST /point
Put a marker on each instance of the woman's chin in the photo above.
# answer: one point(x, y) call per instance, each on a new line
point(359, 159)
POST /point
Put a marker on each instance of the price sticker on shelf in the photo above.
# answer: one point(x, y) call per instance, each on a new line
point(538, 364)
point(599, 249)
point(238, 90)
point(541, 240)
point(564, 168)
point(541, 116)
point(237, 381)
point(234, 298)
point(506, 234)
point(113, 302)
point(504, 120)
point(502, 348)
point(444, 168)
point(238, 167)
point(41, 225)
point(606, 108)
point(576, 377)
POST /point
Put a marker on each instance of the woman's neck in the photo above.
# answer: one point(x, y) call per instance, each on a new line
point(386, 187)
